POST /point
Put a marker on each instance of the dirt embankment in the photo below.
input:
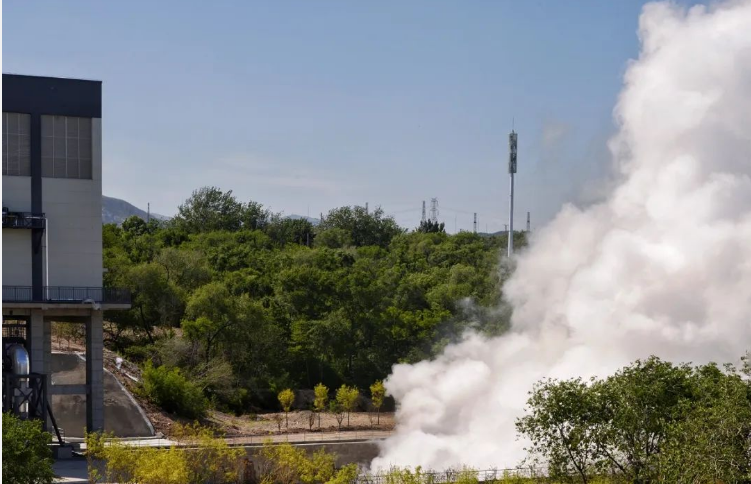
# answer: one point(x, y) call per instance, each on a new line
point(129, 374)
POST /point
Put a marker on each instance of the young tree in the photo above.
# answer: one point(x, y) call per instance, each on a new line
point(347, 397)
point(377, 394)
point(321, 399)
point(286, 399)
point(338, 411)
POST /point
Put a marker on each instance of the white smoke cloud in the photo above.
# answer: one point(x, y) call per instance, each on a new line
point(662, 267)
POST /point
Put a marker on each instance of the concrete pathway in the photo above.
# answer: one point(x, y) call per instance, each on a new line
point(255, 440)
point(71, 471)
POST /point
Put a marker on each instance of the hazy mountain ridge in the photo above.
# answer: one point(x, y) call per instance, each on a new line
point(115, 211)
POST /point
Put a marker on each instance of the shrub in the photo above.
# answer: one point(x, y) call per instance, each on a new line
point(169, 389)
point(26, 457)
point(285, 464)
point(208, 461)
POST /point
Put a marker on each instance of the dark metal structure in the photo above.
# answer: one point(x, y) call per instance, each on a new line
point(67, 295)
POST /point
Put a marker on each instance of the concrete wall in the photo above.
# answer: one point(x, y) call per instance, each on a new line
point(17, 243)
point(74, 226)
point(356, 452)
point(74, 223)
point(16, 257)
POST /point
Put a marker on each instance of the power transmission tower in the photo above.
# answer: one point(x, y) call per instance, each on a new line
point(434, 210)
point(423, 212)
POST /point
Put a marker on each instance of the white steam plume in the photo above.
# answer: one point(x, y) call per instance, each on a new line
point(662, 267)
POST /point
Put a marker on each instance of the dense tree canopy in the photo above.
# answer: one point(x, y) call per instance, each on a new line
point(280, 303)
point(649, 422)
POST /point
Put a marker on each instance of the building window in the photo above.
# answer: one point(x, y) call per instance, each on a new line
point(66, 147)
point(16, 144)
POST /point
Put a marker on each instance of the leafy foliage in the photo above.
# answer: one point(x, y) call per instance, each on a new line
point(278, 303)
point(286, 399)
point(169, 389)
point(209, 460)
point(285, 464)
point(377, 394)
point(346, 398)
point(26, 457)
point(650, 422)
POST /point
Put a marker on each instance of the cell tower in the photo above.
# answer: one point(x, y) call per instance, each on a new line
point(529, 225)
point(366, 207)
point(423, 212)
point(512, 138)
point(434, 210)
point(474, 226)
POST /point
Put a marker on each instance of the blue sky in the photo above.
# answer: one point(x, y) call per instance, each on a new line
point(305, 106)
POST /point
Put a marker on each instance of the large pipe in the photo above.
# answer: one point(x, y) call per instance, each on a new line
point(19, 359)
point(20, 366)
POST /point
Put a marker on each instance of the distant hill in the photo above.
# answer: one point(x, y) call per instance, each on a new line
point(312, 220)
point(115, 211)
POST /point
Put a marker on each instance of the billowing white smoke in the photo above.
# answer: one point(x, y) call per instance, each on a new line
point(662, 267)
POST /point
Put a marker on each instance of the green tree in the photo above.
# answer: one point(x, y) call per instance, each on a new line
point(255, 216)
point(27, 458)
point(712, 442)
point(346, 398)
point(171, 390)
point(291, 231)
point(321, 399)
point(560, 422)
point(428, 226)
point(286, 399)
point(209, 209)
point(210, 312)
point(337, 410)
point(377, 394)
point(365, 228)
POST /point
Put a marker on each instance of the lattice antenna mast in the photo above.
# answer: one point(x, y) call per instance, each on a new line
point(474, 225)
point(529, 224)
point(423, 212)
point(434, 210)
point(512, 140)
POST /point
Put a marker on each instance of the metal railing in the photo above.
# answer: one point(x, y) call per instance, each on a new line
point(68, 295)
point(23, 220)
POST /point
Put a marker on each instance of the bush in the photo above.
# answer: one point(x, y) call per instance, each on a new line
point(286, 464)
point(26, 457)
point(169, 389)
point(208, 461)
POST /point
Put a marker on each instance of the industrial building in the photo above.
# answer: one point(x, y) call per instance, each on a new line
point(52, 239)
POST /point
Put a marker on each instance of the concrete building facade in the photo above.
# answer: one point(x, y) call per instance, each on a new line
point(52, 228)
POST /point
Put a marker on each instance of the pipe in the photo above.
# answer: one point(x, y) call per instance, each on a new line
point(19, 359)
point(46, 254)
point(20, 366)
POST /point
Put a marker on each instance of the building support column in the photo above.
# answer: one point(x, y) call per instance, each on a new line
point(95, 373)
point(36, 341)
